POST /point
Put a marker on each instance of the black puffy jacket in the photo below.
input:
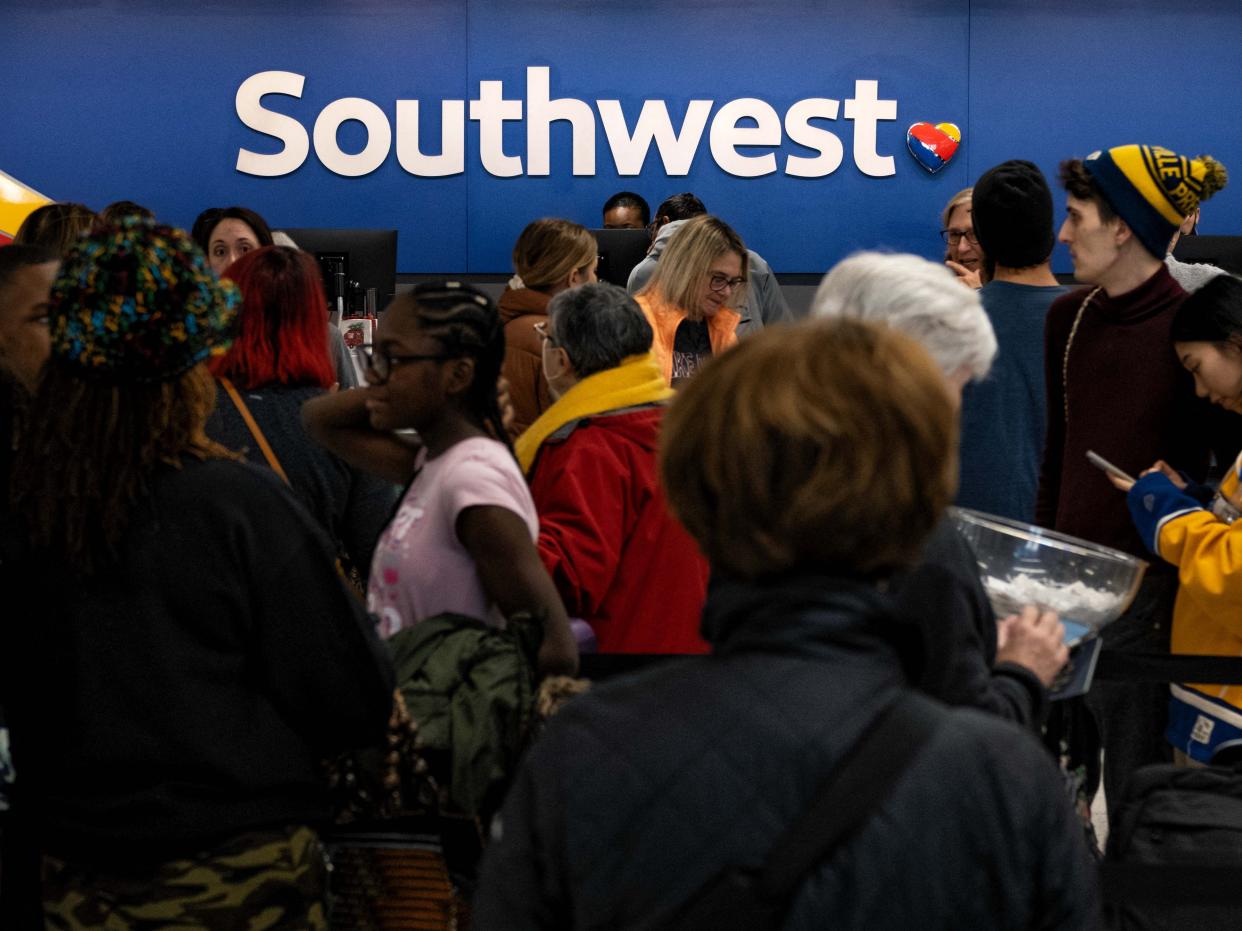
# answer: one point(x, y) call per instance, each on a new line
point(640, 792)
point(943, 600)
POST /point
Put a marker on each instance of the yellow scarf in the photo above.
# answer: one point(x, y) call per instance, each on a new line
point(637, 380)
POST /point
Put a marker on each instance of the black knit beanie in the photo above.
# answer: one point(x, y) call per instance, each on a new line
point(1012, 213)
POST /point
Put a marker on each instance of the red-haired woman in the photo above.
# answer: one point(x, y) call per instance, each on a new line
point(279, 360)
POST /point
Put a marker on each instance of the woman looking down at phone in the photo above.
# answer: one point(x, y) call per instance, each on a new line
point(691, 298)
point(1187, 526)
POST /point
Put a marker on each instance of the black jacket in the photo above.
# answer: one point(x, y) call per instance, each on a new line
point(188, 694)
point(353, 506)
point(641, 791)
point(943, 599)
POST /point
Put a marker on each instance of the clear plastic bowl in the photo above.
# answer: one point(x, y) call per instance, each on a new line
point(1088, 585)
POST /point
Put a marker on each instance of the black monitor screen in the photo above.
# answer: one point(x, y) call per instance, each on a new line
point(619, 252)
point(365, 257)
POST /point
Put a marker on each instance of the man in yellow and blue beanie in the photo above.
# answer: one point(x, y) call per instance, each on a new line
point(1153, 189)
point(1114, 385)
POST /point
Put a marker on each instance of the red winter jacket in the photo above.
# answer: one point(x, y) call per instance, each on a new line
point(618, 557)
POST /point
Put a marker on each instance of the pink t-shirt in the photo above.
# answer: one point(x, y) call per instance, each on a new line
point(420, 568)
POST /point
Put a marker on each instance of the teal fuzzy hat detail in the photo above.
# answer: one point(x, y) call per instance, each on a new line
point(138, 303)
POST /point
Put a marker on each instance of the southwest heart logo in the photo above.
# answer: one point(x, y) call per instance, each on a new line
point(933, 146)
point(17, 200)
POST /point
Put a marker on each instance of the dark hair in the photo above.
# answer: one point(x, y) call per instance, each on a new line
point(14, 400)
point(210, 218)
point(1213, 314)
point(467, 323)
point(1078, 183)
point(115, 212)
point(681, 207)
point(629, 199)
point(87, 459)
point(204, 223)
point(13, 258)
point(282, 336)
point(55, 226)
point(598, 325)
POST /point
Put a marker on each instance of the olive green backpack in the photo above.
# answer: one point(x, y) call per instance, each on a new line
point(470, 689)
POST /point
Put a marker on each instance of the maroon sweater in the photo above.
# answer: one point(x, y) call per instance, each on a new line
point(1129, 399)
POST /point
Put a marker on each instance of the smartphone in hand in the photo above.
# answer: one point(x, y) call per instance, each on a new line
point(1101, 463)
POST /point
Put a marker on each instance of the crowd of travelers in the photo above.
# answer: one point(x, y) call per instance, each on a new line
point(219, 552)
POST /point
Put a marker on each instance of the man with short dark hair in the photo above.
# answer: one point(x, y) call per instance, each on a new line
point(626, 210)
point(26, 276)
point(618, 558)
point(685, 206)
point(1002, 438)
point(764, 303)
point(1115, 386)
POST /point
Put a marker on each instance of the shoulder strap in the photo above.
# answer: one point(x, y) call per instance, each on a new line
point(852, 793)
point(268, 453)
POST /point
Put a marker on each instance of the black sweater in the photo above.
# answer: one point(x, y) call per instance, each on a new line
point(943, 600)
point(1128, 400)
point(189, 693)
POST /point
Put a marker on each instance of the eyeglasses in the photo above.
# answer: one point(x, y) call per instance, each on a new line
point(953, 237)
point(542, 329)
point(720, 282)
point(380, 363)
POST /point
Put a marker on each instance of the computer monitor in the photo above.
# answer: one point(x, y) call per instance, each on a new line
point(1222, 251)
point(619, 252)
point(367, 257)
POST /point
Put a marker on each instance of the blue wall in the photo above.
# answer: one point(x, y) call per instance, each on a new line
point(136, 100)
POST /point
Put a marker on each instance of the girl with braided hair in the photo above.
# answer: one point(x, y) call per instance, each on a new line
point(463, 538)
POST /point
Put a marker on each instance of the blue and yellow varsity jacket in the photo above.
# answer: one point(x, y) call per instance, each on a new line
point(1205, 544)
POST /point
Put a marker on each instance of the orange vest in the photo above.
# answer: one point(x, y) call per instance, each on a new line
point(665, 318)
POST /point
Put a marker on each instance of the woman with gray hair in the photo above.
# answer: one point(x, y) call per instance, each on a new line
point(919, 298)
point(619, 560)
point(972, 659)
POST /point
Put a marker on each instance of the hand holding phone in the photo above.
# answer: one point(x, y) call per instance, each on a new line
point(1111, 470)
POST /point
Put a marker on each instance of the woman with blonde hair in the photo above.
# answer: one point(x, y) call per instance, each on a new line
point(691, 298)
point(550, 256)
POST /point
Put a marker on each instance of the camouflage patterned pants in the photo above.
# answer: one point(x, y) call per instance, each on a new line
point(255, 882)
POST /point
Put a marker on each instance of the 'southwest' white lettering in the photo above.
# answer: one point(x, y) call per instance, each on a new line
point(746, 124)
